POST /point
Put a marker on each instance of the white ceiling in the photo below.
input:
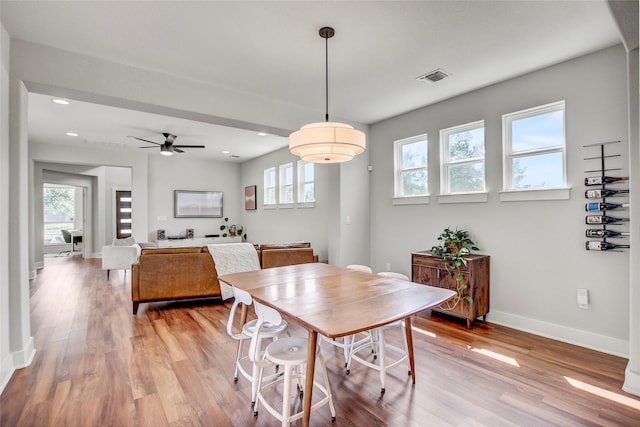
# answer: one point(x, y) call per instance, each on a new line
point(272, 49)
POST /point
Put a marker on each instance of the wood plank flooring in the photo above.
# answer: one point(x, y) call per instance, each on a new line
point(172, 365)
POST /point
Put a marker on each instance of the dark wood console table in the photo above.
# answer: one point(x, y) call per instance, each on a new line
point(428, 269)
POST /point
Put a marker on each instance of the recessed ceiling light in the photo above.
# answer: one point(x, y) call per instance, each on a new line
point(225, 152)
point(72, 134)
point(61, 101)
point(262, 134)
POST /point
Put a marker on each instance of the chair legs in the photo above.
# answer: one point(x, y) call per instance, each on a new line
point(294, 370)
point(381, 347)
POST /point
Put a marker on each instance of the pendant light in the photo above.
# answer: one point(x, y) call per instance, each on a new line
point(327, 142)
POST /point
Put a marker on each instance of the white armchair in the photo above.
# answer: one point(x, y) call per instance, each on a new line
point(121, 254)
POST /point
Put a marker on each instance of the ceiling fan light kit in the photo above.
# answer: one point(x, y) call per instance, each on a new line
point(327, 142)
point(167, 148)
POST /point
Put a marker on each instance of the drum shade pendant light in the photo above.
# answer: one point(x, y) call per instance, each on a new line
point(327, 142)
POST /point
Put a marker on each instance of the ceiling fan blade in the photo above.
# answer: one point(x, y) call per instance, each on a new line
point(189, 146)
point(153, 146)
point(177, 150)
point(145, 140)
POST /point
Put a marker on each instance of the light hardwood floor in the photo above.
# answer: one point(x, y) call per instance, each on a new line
point(172, 365)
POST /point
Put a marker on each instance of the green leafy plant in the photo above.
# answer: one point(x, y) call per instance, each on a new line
point(453, 247)
point(232, 230)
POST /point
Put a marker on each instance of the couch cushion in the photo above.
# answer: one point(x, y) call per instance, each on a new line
point(285, 245)
point(185, 250)
point(290, 256)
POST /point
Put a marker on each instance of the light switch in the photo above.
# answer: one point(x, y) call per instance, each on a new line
point(583, 298)
point(348, 220)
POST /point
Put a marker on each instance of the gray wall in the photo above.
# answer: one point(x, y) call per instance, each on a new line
point(536, 247)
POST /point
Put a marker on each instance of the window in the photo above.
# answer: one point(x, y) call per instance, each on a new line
point(410, 167)
point(270, 186)
point(534, 148)
point(306, 183)
point(462, 159)
point(59, 212)
point(286, 183)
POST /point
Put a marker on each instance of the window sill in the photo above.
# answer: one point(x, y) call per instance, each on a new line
point(285, 206)
point(464, 198)
point(416, 200)
point(533, 195)
point(306, 205)
point(268, 207)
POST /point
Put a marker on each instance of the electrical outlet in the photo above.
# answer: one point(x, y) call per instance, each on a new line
point(583, 298)
point(388, 266)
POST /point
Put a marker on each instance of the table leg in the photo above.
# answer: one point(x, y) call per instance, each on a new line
point(308, 385)
point(407, 330)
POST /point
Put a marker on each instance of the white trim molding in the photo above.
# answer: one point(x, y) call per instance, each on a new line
point(603, 343)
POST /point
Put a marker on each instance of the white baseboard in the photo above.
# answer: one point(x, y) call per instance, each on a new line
point(16, 360)
point(631, 381)
point(603, 343)
point(6, 371)
point(25, 356)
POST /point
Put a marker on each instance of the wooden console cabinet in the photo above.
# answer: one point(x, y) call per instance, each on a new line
point(428, 269)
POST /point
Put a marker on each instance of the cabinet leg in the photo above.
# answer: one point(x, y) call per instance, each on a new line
point(468, 323)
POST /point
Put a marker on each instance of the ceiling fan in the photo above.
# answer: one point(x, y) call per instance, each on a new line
point(167, 148)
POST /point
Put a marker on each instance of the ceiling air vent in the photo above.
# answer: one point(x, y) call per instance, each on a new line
point(433, 76)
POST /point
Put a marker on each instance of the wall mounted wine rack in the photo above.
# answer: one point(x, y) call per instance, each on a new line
point(600, 188)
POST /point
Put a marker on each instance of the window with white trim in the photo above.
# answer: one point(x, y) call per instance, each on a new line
point(462, 159)
point(306, 182)
point(534, 148)
point(270, 186)
point(410, 166)
point(286, 183)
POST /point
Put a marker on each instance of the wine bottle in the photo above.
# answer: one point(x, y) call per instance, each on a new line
point(604, 206)
point(601, 245)
point(603, 219)
point(599, 180)
point(594, 232)
point(605, 192)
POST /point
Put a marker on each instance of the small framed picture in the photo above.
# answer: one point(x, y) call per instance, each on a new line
point(250, 198)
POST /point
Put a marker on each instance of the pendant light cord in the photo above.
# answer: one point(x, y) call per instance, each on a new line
point(326, 79)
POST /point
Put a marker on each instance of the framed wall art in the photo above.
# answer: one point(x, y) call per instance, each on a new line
point(197, 204)
point(250, 198)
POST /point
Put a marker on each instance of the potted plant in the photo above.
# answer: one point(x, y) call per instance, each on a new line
point(233, 230)
point(453, 247)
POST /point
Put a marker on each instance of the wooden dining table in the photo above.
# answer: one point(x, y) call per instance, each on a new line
point(336, 302)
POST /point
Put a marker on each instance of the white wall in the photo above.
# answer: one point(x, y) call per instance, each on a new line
point(184, 172)
point(6, 362)
point(287, 224)
point(86, 162)
point(537, 250)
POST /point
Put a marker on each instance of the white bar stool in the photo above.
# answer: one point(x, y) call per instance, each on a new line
point(380, 346)
point(290, 352)
point(267, 331)
point(348, 342)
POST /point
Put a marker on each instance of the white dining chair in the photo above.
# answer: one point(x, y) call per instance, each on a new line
point(359, 267)
point(291, 353)
point(346, 343)
point(248, 332)
point(382, 361)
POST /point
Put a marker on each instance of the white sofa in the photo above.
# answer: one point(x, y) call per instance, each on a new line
point(121, 254)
